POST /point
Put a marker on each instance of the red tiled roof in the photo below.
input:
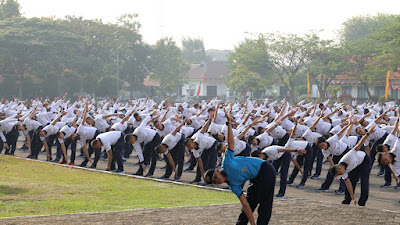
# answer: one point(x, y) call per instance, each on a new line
point(151, 83)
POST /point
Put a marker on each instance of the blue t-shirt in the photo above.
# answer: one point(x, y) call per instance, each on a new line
point(240, 169)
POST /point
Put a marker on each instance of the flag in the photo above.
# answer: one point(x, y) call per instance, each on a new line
point(387, 85)
point(308, 87)
point(198, 90)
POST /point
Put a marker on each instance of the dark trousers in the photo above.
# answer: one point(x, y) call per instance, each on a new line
point(178, 155)
point(388, 174)
point(116, 153)
point(67, 142)
point(283, 162)
point(373, 148)
point(329, 178)
point(193, 161)
point(360, 172)
point(12, 138)
point(36, 145)
point(50, 142)
point(209, 158)
point(128, 147)
point(318, 155)
point(1, 145)
point(150, 156)
point(246, 152)
point(305, 160)
point(284, 140)
point(97, 151)
point(260, 192)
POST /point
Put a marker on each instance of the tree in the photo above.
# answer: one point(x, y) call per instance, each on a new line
point(289, 54)
point(9, 9)
point(361, 26)
point(193, 50)
point(167, 66)
point(218, 55)
point(250, 67)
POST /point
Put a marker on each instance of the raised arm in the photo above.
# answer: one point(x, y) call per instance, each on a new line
point(364, 138)
point(231, 139)
point(178, 128)
point(58, 118)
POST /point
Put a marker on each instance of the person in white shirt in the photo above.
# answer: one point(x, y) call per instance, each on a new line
point(353, 166)
point(113, 142)
point(173, 148)
point(150, 139)
point(50, 132)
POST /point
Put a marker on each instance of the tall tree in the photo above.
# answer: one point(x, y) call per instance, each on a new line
point(9, 9)
point(193, 50)
point(250, 67)
point(167, 66)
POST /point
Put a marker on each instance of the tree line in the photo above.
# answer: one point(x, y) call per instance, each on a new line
point(367, 47)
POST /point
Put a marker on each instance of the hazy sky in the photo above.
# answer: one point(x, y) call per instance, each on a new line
point(221, 23)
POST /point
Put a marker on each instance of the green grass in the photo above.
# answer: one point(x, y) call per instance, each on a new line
point(33, 188)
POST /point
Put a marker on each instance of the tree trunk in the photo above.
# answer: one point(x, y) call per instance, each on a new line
point(367, 89)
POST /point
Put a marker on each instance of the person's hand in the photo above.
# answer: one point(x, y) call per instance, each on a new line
point(108, 168)
point(7, 147)
point(143, 167)
point(355, 201)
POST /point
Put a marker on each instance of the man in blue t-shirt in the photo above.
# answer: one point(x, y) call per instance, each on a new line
point(236, 171)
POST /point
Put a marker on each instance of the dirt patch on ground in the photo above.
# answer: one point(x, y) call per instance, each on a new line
point(286, 211)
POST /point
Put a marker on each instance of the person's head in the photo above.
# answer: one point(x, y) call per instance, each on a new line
point(321, 106)
point(219, 137)
point(261, 130)
point(20, 127)
point(364, 123)
point(42, 133)
point(277, 109)
point(361, 131)
point(89, 120)
point(366, 111)
point(257, 153)
point(221, 147)
point(215, 176)
point(158, 125)
point(196, 106)
point(337, 170)
point(130, 138)
point(188, 121)
point(161, 148)
point(210, 111)
point(328, 120)
point(96, 143)
point(384, 158)
point(321, 143)
point(75, 137)
point(60, 135)
point(252, 140)
point(180, 108)
point(189, 143)
point(382, 148)
point(137, 117)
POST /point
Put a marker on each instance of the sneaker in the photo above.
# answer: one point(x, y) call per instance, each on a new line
point(397, 186)
point(148, 175)
point(279, 195)
point(82, 165)
point(278, 173)
point(123, 159)
point(71, 164)
point(301, 185)
point(315, 176)
point(63, 162)
point(289, 183)
point(92, 166)
point(119, 171)
point(386, 184)
point(381, 173)
point(189, 170)
point(339, 192)
point(163, 177)
point(177, 179)
point(321, 190)
point(163, 168)
point(138, 174)
point(55, 160)
point(195, 181)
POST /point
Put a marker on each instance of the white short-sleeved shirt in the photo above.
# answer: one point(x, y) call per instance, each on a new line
point(336, 146)
point(353, 158)
point(351, 141)
point(310, 136)
point(109, 139)
point(265, 140)
point(272, 152)
point(171, 141)
point(278, 132)
point(85, 133)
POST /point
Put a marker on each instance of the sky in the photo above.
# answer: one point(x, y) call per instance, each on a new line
point(222, 24)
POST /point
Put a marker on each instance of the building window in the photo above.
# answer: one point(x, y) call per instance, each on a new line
point(395, 94)
point(361, 92)
point(346, 90)
point(212, 91)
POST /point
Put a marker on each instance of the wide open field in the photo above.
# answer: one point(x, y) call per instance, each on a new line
point(35, 188)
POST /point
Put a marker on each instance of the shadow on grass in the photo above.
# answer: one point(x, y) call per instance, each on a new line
point(7, 190)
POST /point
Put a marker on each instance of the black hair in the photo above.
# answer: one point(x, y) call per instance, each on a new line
point(259, 129)
point(94, 142)
point(333, 170)
point(210, 110)
point(379, 148)
point(208, 176)
point(219, 146)
point(255, 153)
point(320, 140)
point(366, 111)
point(135, 114)
point(379, 156)
point(186, 141)
point(250, 139)
point(128, 137)
point(158, 148)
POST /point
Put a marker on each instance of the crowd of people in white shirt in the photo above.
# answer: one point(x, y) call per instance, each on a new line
point(351, 138)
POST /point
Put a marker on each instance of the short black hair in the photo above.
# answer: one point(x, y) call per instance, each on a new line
point(128, 137)
point(208, 176)
point(250, 139)
point(320, 140)
point(379, 148)
point(219, 146)
point(210, 110)
point(333, 170)
point(255, 153)
point(186, 141)
point(158, 148)
point(135, 114)
point(94, 142)
point(259, 129)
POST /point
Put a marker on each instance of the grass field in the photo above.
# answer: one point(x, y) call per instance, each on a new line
point(34, 188)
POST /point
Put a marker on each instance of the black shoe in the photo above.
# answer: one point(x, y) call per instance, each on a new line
point(148, 175)
point(55, 160)
point(82, 165)
point(164, 177)
point(386, 184)
point(93, 166)
point(138, 174)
